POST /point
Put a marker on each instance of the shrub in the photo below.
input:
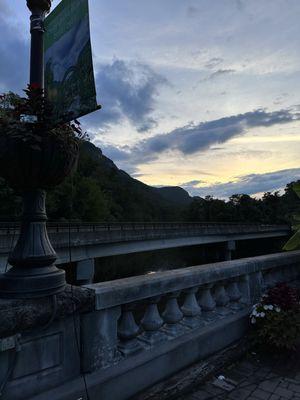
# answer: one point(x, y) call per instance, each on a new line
point(276, 318)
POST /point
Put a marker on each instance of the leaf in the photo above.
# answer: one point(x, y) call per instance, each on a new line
point(296, 188)
point(293, 243)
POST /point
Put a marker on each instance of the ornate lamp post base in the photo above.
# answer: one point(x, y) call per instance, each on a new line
point(18, 283)
point(33, 273)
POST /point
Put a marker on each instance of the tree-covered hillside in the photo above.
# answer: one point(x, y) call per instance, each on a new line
point(99, 191)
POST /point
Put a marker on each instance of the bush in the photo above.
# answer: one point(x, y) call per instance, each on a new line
point(276, 318)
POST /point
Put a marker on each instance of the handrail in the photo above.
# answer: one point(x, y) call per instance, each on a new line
point(134, 226)
point(137, 288)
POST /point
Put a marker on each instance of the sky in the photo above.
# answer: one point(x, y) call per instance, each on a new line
point(204, 94)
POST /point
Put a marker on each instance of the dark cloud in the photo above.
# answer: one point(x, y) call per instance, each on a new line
point(191, 183)
point(193, 138)
point(220, 72)
point(14, 64)
point(213, 62)
point(126, 91)
point(249, 184)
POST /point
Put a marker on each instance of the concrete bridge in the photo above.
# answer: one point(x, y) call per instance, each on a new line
point(85, 242)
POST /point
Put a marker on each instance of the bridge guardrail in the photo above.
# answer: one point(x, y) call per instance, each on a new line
point(11, 228)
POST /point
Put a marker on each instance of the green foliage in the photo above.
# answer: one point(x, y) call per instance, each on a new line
point(280, 330)
point(29, 119)
point(294, 241)
point(272, 208)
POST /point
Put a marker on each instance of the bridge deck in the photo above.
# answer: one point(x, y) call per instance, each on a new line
point(89, 241)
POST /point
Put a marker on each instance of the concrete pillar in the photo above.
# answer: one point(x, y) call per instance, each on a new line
point(85, 271)
point(99, 339)
point(229, 247)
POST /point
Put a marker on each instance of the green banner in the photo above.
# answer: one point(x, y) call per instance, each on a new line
point(69, 75)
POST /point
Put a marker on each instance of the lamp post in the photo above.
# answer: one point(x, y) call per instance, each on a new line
point(33, 273)
point(38, 9)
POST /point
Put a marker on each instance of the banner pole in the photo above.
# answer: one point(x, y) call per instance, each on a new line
point(38, 9)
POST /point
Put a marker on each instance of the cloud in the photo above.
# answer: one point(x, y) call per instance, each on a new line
point(249, 184)
point(221, 72)
point(192, 11)
point(4, 9)
point(213, 62)
point(240, 5)
point(193, 138)
point(127, 90)
point(14, 65)
point(191, 183)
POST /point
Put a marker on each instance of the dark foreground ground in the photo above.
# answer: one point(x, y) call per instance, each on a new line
point(255, 377)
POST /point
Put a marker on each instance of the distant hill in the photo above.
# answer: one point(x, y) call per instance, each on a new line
point(112, 194)
point(99, 191)
point(175, 195)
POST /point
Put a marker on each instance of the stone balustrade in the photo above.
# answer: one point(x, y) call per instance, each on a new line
point(150, 311)
point(143, 329)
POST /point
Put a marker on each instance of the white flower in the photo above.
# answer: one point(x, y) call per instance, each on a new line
point(262, 314)
point(268, 307)
point(253, 320)
point(277, 309)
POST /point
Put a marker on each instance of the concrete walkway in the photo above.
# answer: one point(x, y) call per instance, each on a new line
point(269, 377)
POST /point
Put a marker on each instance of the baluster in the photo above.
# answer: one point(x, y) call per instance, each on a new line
point(191, 309)
point(257, 286)
point(172, 315)
point(269, 279)
point(128, 330)
point(234, 294)
point(207, 302)
point(152, 322)
point(244, 285)
point(221, 298)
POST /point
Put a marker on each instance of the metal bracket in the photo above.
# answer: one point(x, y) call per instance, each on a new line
point(37, 23)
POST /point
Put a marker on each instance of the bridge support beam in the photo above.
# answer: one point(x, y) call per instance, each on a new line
point(229, 248)
point(85, 271)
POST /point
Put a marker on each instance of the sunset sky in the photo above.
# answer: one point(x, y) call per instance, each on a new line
point(204, 94)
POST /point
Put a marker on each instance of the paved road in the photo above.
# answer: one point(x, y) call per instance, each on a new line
point(256, 378)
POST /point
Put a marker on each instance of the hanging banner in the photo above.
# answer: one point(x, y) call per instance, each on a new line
point(69, 75)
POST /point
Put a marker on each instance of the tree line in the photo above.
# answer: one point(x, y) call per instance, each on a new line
point(99, 191)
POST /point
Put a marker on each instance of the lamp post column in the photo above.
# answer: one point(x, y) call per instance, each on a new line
point(38, 9)
point(33, 273)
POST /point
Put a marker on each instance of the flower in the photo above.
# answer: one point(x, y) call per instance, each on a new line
point(268, 307)
point(253, 320)
point(262, 314)
point(277, 309)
